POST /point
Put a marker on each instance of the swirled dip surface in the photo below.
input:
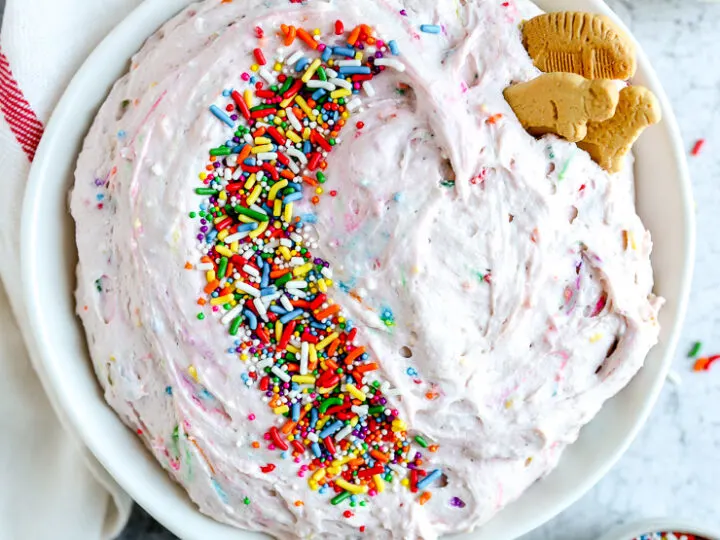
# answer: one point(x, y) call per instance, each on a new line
point(514, 271)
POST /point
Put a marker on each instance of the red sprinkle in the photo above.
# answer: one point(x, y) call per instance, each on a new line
point(268, 468)
point(259, 57)
point(698, 147)
point(339, 27)
point(348, 514)
point(360, 125)
point(259, 32)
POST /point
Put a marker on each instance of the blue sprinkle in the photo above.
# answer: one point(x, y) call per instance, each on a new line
point(211, 236)
point(323, 489)
point(259, 261)
point(267, 291)
point(237, 149)
point(320, 92)
point(310, 218)
point(295, 186)
point(99, 196)
point(354, 70)
point(313, 417)
point(121, 134)
point(265, 278)
point(292, 197)
point(220, 115)
point(252, 79)
point(301, 64)
point(296, 411)
point(430, 28)
point(393, 47)
point(332, 428)
point(275, 309)
point(397, 197)
point(226, 93)
point(294, 314)
point(429, 479)
point(250, 161)
point(411, 371)
point(205, 394)
point(315, 447)
point(284, 454)
point(252, 319)
point(307, 147)
point(220, 492)
point(168, 390)
point(326, 54)
point(344, 51)
point(318, 325)
point(353, 498)
point(247, 227)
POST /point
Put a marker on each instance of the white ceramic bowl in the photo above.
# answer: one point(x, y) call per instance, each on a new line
point(49, 259)
point(648, 526)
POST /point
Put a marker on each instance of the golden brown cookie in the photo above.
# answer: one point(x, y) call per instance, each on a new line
point(562, 103)
point(608, 142)
point(583, 43)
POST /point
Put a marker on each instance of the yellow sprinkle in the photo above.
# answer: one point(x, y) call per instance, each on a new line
point(254, 67)
point(319, 190)
point(322, 285)
point(222, 250)
point(595, 337)
point(339, 93)
point(306, 133)
point(310, 71)
point(223, 195)
point(293, 136)
point(405, 482)
point(282, 409)
point(248, 97)
point(220, 300)
point(321, 423)
point(278, 329)
point(285, 102)
point(288, 213)
point(277, 208)
point(319, 475)
point(303, 379)
point(202, 176)
point(246, 219)
point(303, 104)
point(254, 195)
point(508, 403)
point(276, 188)
point(352, 488)
point(235, 246)
point(314, 485)
point(358, 55)
point(277, 120)
point(312, 353)
point(285, 252)
point(398, 425)
point(262, 148)
point(379, 484)
point(345, 115)
point(358, 394)
point(244, 357)
point(257, 232)
point(277, 66)
point(327, 341)
point(342, 461)
point(302, 269)
point(250, 181)
point(263, 140)
point(193, 372)
point(222, 235)
point(334, 471)
point(316, 32)
point(210, 276)
point(292, 349)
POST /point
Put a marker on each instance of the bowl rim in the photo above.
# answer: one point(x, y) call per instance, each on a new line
point(652, 525)
point(136, 28)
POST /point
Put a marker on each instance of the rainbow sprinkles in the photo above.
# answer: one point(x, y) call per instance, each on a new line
point(264, 284)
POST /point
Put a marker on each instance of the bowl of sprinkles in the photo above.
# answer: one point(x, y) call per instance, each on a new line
point(663, 529)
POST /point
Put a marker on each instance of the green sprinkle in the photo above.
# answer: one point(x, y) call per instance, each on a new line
point(282, 280)
point(337, 499)
point(192, 215)
point(565, 166)
point(220, 151)
point(252, 214)
point(222, 267)
point(321, 73)
point(422, 442)
point(206, 191)
point(246, 500)
point(376, 410)
point(321, 177)
point(447, 183)
point(286, 85)
point(695, 349)
point(200, 316)
point(125, 103)
point(262, 107)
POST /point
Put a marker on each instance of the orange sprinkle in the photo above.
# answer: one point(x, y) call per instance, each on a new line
point(305, 36)
point(330, 310)
point(372, 366)
point(210, 287)
point(332, 349)
point(188, 266)
point(355, 353)
point(201, 301)
point(379, 456)
point(244, 153)
point(425, 497)
point(290, 33)
point(288, 427)
point(433, 447)
point(299, 503)
point(255, 444)
point(494, 118)
point(315, 199)
point(354, 35)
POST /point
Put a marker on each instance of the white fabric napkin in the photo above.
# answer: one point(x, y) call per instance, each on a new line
point(50, 486)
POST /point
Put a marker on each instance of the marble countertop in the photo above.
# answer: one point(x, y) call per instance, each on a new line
point(673, 468)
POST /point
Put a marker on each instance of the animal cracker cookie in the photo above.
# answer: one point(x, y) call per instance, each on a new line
point(583, 43)
point(608, 142)
point(562, 103)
